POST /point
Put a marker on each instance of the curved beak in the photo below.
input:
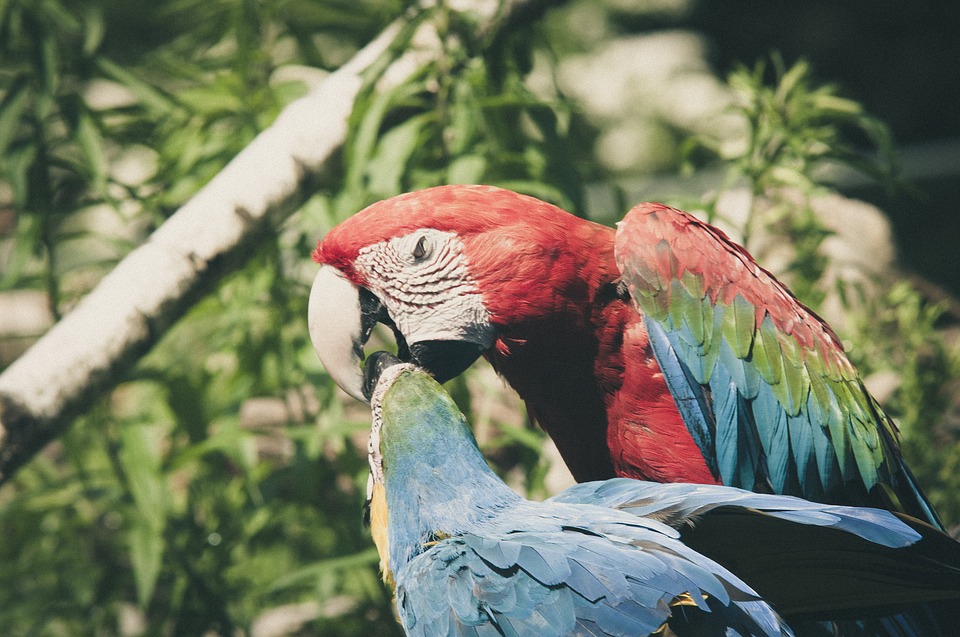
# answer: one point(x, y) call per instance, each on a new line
point(341, 317)
point(339, 327)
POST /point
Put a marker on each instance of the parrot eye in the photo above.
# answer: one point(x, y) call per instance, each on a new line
point(420, 250)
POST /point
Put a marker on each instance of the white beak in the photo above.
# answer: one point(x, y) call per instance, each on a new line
point(335, 322)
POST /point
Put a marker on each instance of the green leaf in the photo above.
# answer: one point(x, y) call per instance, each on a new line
point(362, 145)
point(468, 169)
point(93, 32)
point(388, 166)
point(210, 100)
point(47, 63)
point(148, 96)
point(12, 108)
point(146, 546)
point(537, 189)
point(365, 558)
point(88, 138)
point(20, 164)
point(140, 458)
point(835, 104)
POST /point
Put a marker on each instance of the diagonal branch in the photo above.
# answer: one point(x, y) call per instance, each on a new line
point(87, 353)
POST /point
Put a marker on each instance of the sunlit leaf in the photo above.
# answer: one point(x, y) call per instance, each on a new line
point(387, 167)
point(90, 141)
point(467, 169)
point(146, 553)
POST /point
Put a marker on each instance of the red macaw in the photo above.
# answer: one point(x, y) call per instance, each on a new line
point(659, 351)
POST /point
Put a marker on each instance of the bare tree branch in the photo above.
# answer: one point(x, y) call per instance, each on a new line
point(86, 354)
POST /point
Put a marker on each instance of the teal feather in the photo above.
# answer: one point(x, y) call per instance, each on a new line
point(743, 372)
point(519, 567)
point(864, 445)
point(731, 452)
point(775, 438)
point(802, 429)
point(781, 409)
point(602, 558)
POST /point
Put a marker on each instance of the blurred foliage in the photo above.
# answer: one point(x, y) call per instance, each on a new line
point(796, 130)
point(899, 333)
point(468, 117)
point(172, 507)
point(223, 479)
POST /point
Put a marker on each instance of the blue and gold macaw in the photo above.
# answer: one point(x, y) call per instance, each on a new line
point(468, 556)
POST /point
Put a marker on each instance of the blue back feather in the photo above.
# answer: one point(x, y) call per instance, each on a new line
point(469, 556)
point(603, 558)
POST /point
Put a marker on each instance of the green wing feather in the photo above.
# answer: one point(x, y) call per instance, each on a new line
point(790, 413)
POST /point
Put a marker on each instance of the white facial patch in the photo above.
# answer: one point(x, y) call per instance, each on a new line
point(423, 281)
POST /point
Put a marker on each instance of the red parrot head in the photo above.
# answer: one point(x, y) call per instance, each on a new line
point(449, 269)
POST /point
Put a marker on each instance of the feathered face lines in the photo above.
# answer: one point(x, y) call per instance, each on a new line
point(424, 282)
point(452, 270)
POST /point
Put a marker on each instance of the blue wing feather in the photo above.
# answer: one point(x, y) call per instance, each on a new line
point(774, 437)
point(624, 587)
point(679, 504)
point(711, 311)
point(732, 456)
point(688, 393)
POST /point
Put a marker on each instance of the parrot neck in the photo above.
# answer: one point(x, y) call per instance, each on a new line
point(560, 347)
point(428, 502)
point(574, 347)
point(436, 480)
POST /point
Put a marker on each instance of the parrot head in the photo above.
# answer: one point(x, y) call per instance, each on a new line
point(420, 453)
point(450, 270)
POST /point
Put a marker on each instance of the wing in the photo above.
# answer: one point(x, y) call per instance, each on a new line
point(572, 583)
point(842, 561)
point(762, 382)
point(681, 506)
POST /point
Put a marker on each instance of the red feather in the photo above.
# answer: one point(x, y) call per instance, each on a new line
point(575, 352)
point(727, 270)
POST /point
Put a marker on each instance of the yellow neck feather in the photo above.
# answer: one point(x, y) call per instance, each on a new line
point(378, 529)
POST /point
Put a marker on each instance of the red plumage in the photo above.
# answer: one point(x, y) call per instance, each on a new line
point(772, 402)
point(725, 269)
point(575, 351)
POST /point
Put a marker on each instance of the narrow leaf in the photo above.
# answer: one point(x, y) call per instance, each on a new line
point(12, 108)
point(146, 545)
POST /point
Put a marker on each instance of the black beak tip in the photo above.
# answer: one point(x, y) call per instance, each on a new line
point(374, 366)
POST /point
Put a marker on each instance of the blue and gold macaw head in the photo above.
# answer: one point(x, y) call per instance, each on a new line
point(421, 450)
point(465, 554)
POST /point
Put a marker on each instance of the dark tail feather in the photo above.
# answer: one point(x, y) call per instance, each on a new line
point(848, 585)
